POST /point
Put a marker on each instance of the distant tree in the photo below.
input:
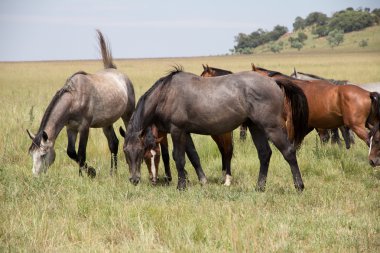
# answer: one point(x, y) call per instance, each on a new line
point(276, 47)
point(376, 15)
point(350, 20)
point(296, 44)
point(317, 18)
point(335, 37)
point(363, 43)
point(301, 37)
point(299, 24)
point(320, 30)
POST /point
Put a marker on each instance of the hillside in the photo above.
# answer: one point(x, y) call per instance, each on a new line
point(350, 43)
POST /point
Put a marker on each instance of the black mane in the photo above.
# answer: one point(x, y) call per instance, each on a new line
point(272, 73)
point(135, 123)
point(221, 71)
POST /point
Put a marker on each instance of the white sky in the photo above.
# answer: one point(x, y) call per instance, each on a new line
point(61, 30)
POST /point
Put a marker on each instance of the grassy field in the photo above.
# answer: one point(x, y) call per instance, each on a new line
point(339, 211)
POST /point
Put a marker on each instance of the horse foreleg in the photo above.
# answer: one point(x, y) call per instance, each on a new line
point(71, 140)
point(113, 145)
point(194, 159)
point(179, 146)
point(225, 147)
point(91, 172)
point(361, 132)
point(166, 159)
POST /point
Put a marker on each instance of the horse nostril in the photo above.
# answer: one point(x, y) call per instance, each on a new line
point(134, 181)
point(372, 163)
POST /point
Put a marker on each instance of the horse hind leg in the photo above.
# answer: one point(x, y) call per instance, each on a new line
point(113, 145)
point(346, 136)
point(279, 138)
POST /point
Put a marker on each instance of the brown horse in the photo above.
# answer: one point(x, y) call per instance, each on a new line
point(85, 101)
point(332, 106)
point(324, 134)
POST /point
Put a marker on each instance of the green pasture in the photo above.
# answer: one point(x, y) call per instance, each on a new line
point(339, 211)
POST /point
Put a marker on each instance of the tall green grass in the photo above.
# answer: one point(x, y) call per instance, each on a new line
point(62, 212)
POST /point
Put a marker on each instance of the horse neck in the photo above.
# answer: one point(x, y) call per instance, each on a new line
point(57, 118)
point(144, 113)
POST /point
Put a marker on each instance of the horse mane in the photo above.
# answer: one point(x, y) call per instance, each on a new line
point(221, 71)
point(272, 73)
point(106, 52)
point(66, 88)
point(135, 123)
point(337, 82)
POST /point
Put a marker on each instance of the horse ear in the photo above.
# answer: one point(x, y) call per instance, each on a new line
point(295, 72)
point(122, 132)
point(31, 136)
point(158, 140)
point(45, 136)
point(204, 67)
point(253, 67)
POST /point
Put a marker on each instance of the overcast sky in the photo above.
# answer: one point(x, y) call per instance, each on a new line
point(61, 30)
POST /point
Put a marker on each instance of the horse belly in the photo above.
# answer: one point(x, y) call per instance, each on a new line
point(108, 110)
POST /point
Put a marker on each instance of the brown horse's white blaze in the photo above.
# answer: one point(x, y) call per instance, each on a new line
point(85, 101)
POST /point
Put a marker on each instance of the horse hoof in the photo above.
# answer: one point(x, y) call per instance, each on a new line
point(91, 172)
point(203, 181)
point(181, 184)
point(228, 180)
point(260, 188)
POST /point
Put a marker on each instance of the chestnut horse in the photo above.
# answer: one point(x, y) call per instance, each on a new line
point(324, 134)
point(332, 106)
point(182, 103)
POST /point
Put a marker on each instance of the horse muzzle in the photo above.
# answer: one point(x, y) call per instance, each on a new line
point(374, 162)
point(134, 180)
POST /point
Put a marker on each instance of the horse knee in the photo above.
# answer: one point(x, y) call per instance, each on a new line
point(72, 154)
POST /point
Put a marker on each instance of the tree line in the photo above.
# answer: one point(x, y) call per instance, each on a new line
point(321, 25)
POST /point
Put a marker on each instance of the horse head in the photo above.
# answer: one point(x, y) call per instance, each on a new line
point(42, 152)
point(207, 71)
point(134, 153)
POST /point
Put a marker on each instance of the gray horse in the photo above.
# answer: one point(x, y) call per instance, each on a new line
point(182, 103)
point(85, 101)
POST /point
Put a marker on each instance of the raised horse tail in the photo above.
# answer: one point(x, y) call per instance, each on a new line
point(299, 108)
point(106, 52)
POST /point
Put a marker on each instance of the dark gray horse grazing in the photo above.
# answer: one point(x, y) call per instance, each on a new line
point(182, 103)
point(85, 101)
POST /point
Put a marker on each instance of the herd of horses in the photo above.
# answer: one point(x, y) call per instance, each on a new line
point(273, 106)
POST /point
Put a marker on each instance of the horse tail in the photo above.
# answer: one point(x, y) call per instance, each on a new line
point(299, 108)
point(106, 52)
